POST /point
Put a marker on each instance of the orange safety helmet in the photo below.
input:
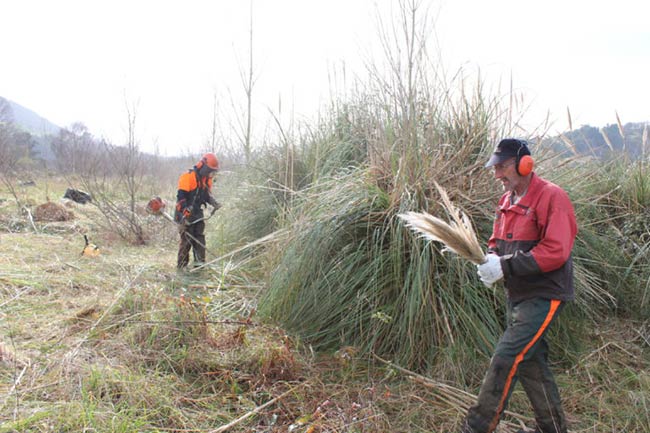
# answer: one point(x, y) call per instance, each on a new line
point(209, 159)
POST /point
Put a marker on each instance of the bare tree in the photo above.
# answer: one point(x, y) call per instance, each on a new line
point(9, 151)
point(248, 87)
point(131, 167)
point(8, 159)
point(74, 148)
point(216, 142)
point(245, 122)
point(404, 44)
point(127, 164)
point(107, 173)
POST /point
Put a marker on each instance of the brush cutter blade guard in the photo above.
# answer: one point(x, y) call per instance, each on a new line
point(155, 206)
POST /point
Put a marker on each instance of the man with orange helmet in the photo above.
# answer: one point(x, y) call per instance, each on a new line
point(194, 193)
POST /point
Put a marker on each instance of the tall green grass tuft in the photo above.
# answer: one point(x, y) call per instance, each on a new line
point(351, 273)
point(613, 246)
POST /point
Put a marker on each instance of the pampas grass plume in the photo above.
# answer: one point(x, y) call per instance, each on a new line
point(458, 235)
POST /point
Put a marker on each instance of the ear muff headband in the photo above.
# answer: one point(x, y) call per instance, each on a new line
point(524, 163)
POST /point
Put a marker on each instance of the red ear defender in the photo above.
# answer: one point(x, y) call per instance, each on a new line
point(525, 165)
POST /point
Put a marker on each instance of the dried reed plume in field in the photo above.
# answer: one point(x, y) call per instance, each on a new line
point(458, 235)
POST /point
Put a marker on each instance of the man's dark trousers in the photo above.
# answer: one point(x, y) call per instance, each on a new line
point(192, 238)
point(521, 354)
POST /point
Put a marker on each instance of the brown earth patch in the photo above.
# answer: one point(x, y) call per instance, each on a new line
point(52, 212)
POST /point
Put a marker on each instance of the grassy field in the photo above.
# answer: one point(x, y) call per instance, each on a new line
point(319, 311)
point(121, 342)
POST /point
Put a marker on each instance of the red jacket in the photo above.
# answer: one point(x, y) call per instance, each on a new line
point(534, 239)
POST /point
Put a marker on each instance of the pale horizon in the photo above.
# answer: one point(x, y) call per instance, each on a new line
point(79, 61)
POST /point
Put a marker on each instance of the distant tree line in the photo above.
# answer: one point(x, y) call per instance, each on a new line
point(615, 139)
point(15, 144)
point(74, 150)
point(117, 177)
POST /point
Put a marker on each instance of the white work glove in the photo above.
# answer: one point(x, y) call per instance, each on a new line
point(490, 271)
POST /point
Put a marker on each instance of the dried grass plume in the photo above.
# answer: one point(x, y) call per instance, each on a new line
point(458, 235)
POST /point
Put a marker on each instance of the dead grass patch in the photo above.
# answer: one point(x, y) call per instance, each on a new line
point(109, 344)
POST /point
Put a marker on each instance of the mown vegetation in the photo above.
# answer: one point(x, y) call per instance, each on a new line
point(316, 298)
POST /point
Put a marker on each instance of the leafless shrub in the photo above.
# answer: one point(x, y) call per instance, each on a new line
point(113, 175)
point(9, 156)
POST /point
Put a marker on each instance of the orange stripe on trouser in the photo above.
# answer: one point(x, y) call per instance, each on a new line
point(555, 304)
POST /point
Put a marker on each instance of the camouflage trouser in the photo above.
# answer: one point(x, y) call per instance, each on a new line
point(192, 237)
point(521, 354)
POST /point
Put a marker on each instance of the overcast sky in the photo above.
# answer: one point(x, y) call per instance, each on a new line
point(84, 60)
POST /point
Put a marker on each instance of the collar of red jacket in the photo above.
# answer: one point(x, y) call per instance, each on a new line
point(536, 184)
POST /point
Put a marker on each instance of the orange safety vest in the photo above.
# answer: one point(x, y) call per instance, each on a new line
point(193, 193)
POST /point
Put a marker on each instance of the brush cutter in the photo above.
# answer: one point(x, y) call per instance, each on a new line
point(156, 206)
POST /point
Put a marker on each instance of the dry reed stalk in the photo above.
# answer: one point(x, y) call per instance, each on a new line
point(248, 414)
point(458, 235)
point(644, 141)
point(620, 126)
point(569, 144)
point(453, 397)
point(269, 237)
point(606, 138)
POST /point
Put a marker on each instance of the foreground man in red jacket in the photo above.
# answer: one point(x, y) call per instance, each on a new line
point(530, 249)
point(194, 193)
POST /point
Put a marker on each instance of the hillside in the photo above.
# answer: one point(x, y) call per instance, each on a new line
point(29, 120)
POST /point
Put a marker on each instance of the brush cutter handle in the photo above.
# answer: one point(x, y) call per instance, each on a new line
point(182, 227)
point(184, 222)
point(205, 218)
point(188, 223)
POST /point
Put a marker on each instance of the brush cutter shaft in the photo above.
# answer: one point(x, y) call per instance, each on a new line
point(168, 217)
point(156, 206)
point(200, 219)
point(185, 233)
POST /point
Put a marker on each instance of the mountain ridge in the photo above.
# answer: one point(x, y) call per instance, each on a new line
point(28, 120)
